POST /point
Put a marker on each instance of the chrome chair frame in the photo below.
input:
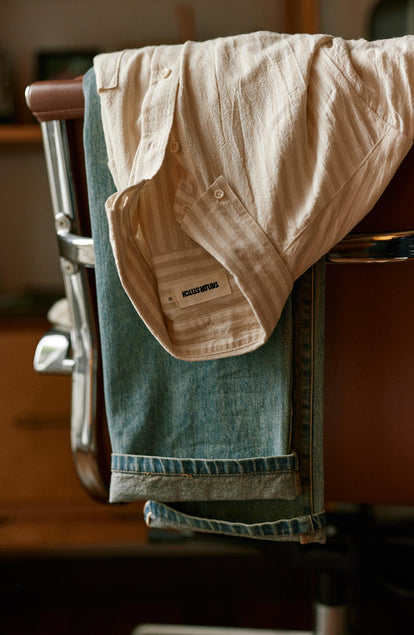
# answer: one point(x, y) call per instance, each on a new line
point(77, 352)
point(81, 343)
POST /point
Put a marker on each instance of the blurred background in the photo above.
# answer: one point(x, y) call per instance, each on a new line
point(69, 564)
point(31, 29)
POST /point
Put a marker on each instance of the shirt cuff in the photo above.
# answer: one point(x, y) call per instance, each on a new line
point(219, 223)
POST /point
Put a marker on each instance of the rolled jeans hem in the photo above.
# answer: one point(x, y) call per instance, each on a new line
point(305, 529)
point(171, 479)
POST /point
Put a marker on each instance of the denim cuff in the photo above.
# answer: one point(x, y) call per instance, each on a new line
point(304, 529)
point(172, 479)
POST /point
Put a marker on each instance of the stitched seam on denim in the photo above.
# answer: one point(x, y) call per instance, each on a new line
point(248, 534)
point(312, 524)
point(208, 474)
point(281, 457)
point(201, 460)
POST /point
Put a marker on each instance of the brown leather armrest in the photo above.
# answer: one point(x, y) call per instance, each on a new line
point(56, 99)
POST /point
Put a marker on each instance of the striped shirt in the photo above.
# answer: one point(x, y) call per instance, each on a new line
point(238, 163)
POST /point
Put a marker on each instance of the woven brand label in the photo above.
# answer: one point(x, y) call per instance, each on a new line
point(201, 288)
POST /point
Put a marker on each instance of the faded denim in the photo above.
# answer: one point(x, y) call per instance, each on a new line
point(229, 446)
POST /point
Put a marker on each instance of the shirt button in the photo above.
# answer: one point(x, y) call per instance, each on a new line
point(187, 208)
point(218, 194)
point(165, 72)
point(175, 147)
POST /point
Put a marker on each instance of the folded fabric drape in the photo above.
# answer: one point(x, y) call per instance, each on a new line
point(238, 163)
point(234, 166)
point(229, 446)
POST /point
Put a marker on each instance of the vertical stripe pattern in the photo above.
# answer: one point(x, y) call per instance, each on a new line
point(246, 158)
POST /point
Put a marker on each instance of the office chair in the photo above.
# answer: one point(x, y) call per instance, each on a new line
point(367, 344)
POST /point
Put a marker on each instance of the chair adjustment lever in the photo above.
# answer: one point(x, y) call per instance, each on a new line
point(52, 355)
point(76, 249)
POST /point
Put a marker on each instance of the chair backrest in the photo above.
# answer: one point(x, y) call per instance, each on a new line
point(369, 353)
point(369, 313)
point(59, 106)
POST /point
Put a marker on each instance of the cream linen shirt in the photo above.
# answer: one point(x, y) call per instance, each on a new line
point(238, 163)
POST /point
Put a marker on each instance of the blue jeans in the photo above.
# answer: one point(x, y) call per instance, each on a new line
point(229, 446)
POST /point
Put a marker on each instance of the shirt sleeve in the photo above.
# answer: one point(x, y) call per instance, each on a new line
point(383, 73)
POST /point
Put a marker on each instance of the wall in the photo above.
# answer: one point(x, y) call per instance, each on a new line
point(33, 25)
point(347, 18)
point(29, 253)
point(27, 26)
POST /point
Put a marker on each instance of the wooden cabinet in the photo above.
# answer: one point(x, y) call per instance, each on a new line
point(42, 503)
point(20, 133)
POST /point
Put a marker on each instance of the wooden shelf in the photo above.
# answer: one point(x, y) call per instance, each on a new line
point(20, 133)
